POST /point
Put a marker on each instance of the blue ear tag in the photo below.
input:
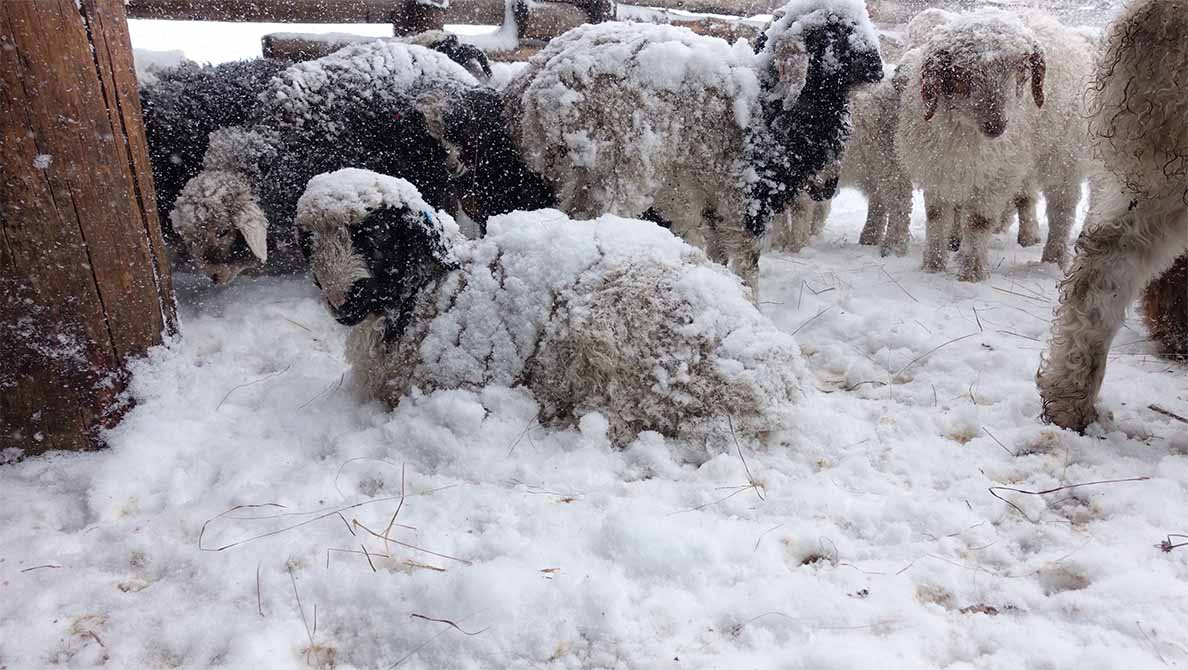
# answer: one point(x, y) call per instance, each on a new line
point(428, 216)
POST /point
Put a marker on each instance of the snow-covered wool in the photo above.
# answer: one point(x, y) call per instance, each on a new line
point(359, 107)
point(992, 108)
point(182, 106)
point(713, 137)
point(1165, 309)
point(1138, 219)
point(606, 315)
point(869, 165)
point(490, 173)
point(185, 102)
point(922, 26)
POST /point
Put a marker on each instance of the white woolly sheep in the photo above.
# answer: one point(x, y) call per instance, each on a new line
point(991, 113)
point(1138, 219)
point(606, 315)
point(373, 106)
point(714, 138)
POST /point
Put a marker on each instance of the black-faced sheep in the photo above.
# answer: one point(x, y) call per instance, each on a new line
point(992, 108)
point(184, 103)
point(608, 315)
point(869, 165)
point(363, 106)
point(714, 138)
point(1138, 219)
point(182, 106)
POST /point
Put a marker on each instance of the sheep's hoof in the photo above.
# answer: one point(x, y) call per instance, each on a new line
point(869, 239)
point(1029, 240)
point(974, 271)
point(933, 266)
point(1059, 256)
point(898, 248)
point(1070, 415)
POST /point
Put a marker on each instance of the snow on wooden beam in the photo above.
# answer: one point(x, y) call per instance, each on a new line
point(484, 12)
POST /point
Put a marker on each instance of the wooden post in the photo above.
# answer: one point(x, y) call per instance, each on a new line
point(412, 18)
point(84, 280)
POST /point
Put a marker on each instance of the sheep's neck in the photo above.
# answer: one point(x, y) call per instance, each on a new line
point(793, 145)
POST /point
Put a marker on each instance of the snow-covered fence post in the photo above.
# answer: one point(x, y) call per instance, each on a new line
point(84, 278)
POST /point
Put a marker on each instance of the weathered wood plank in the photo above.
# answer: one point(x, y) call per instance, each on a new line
point(82, 287)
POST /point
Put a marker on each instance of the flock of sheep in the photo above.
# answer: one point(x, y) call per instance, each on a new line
point(369, 164)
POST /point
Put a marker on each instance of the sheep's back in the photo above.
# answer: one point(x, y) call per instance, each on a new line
point(1059, 137)
point(640, 102)
point(1139, 105)
point(607, 315)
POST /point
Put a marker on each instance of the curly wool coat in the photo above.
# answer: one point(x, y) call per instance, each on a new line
point(1138, 220)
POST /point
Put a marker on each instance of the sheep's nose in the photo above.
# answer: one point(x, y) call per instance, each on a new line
point(994, 129)
point(336, 299)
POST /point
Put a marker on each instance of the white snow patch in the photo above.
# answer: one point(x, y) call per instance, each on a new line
point(877, 539)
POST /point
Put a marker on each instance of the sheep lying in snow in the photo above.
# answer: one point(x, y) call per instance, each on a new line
point(1138, 219)
point(867, 164)
point(606, 315)
point(714, 138)
point(991, 109)
point(182, 106)
point(184, 103)
point(363, 106)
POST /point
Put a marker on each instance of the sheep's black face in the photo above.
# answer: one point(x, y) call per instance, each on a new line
point(381, 266)
point(494, 178)
point(838, 57)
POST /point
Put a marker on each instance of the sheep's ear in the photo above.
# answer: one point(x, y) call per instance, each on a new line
point(254, 228)
point(931, 76)
point(1039, 69)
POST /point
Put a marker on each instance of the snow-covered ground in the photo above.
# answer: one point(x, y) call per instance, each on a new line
point(876, 539)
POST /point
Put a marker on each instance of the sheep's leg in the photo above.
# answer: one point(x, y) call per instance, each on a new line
point(974, 258)
point(793, 227)
point(941, 217)
point(733, 245)
point(820, 216)
point(1129, 244)
point(1062, 212)
point(876, 220)
point(955, 231)
point(1029, 234)
point(898, 205)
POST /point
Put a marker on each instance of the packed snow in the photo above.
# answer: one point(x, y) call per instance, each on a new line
point(877, 537)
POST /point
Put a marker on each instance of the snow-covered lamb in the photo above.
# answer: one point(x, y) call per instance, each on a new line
point(358, 107)
point(362, 106)
point(1138, 219)
point(183, 105)
point(991, 112)
point(606, 315)
point(714, 138)
point(868, 164)
point(185, 102)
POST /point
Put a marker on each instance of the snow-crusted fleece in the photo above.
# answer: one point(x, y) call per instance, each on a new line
point(712, 137)
point(609, 316)
point(358, 107)
point(1042, 143)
